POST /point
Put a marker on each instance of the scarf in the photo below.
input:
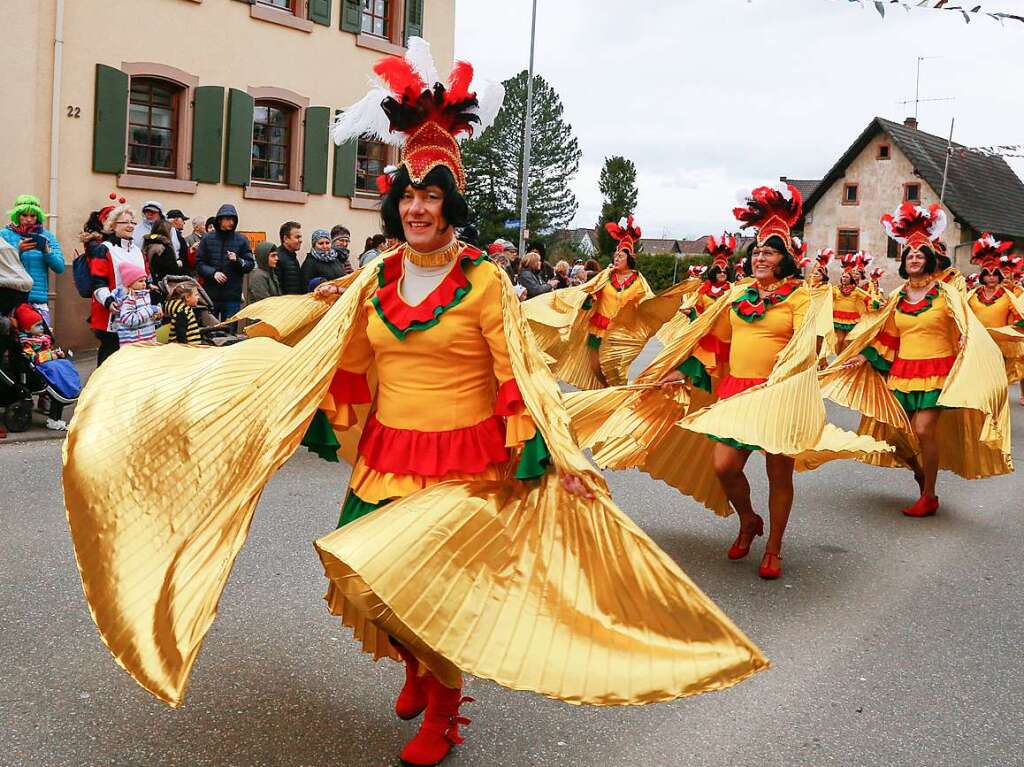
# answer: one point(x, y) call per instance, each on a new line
point(326, 258)
point(27, 229)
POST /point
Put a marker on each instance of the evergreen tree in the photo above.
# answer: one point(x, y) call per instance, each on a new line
point(493, 164)
point(618, 185)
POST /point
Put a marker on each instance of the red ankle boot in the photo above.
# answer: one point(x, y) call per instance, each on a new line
point(440, 728)
point(925, 506)
point(413, 697)
point(738, 551)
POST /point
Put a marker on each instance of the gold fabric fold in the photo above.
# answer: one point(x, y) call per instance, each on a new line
point(974, 434)
point(580, 587)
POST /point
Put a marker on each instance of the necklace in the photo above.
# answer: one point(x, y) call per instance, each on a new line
point(771, 288)
point(439, 257)
point(919, 282)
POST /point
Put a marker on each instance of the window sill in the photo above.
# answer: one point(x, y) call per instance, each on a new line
point(284, 18)
point(850, 204)
point(156, 183)
point(253, 192)
point(359, 202)
point(375, 43)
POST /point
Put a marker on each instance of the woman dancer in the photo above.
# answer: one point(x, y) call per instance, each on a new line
point(753, 355)
point(936, 384)
point(849, 302)
point(474, 538)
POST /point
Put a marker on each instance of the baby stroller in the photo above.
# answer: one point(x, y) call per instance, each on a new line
point(212, 331)
point(21, 379)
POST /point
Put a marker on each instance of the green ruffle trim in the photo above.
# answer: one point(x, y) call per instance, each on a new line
point(415, 325)
point(912, 401)
point(691, 314)
point(588, 303)
point(921, 306)
point(734, 443)
point(321, 439)
point(693, 369)
point(876, 360)
point(355, 507)
point(846, 327)
point(534, 459)
point(594, 342)
point(1019, 324)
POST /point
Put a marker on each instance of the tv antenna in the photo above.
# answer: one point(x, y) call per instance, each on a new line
point(917, 100)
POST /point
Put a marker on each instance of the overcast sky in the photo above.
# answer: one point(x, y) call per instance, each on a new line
point(711, 96)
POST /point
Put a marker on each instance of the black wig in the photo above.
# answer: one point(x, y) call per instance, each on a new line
point(714, 271)
point(455, 209)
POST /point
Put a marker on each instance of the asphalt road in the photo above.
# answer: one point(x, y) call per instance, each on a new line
point(894, 641)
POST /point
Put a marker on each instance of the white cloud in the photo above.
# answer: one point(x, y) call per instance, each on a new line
point(708, 96)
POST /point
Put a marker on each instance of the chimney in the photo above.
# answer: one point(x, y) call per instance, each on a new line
point(911, 122)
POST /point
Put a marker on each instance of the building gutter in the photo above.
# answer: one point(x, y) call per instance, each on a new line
point(55, 116)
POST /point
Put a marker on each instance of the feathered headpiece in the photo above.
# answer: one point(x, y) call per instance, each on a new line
point(409, 107)
point(824, 257)
point(773, 211)
point(915, 226)
point(625, 234)
point(876, 274)
point(697, 271)
point(972, 280)
point(1017, 266)
point(720, 250)
point(991, 254)
point(853, 262)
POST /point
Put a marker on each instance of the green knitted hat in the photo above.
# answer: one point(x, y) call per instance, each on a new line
point(27, 203)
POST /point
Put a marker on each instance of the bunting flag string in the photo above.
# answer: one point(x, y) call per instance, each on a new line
point(965, 12)
point(1000, 150)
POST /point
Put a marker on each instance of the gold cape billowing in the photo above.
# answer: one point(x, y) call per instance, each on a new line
point(516, 582)
point(663, 433)
point(974, 435)
point(561, 326)
point(1010, 339)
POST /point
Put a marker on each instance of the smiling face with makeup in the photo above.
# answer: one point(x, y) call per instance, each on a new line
point(764, 262)
point(423, 221)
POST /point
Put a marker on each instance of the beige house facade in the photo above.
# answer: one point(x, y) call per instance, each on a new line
point(196, 103)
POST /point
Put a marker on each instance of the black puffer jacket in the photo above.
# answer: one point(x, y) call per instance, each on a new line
point(212, 258)
point(289, 273)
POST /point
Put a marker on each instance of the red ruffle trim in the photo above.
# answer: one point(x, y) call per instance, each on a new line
point(433, 453)
point(599, 321)
point(402, 315)
point(509, 400)
point(839, 316)
point(937, 366)
point(350, 388)
point(731, 385)
point(888, 341)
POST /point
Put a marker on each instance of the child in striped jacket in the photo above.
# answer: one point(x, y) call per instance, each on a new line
point(181, 314)
point(137, 317)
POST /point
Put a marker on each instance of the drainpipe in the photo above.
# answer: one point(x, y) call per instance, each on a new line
point(58, 51)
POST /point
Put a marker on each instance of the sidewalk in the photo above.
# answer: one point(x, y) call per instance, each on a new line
point(37, 432)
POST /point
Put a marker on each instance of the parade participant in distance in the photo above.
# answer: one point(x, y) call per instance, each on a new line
point(759, 384)
point(606, 322)
point(936, 384)
point(474, 537)
point(874, 289)
point(998, 309)
point(849, 302)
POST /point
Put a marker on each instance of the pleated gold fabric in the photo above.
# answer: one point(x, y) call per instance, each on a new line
point(974, 435)
point(1010, 340)
point(663, 433)
point(517, 582)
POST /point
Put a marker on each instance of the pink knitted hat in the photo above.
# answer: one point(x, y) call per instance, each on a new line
point(130, 273)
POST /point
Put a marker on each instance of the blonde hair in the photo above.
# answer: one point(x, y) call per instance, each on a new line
point(562, 266)
point(531, 259)
point(116, 213)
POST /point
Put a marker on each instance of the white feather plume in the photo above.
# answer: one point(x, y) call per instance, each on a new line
point(419, 56)
point(365, 118)
point(490, 96)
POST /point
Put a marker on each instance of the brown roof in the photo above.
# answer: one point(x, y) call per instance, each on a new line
point(651, 245)
point(806, 186)
point(693, 247)
point(981, 191)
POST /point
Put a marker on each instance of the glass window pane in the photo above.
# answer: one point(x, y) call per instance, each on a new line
point(378, 8)
point(163, 118)
point(138, 115)
point(162, 158)
point(160, 137)
point(138, 155)
point(162, 97)
point(278, 153)
point(138, 135)
point(378, 27)
point(259, 114)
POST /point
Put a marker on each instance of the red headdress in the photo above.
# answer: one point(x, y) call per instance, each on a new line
point(876, 274)
point(697, 271)
point(773, 212)
point(625, 234)
point(853, 262)
point(720, 250)
point(1017, 266)
point(991, 254)
point(824, 257)
point(409, 107)
point(972, 280)
point(915, 226)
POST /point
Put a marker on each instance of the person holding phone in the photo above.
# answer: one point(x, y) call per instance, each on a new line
point(38, 247)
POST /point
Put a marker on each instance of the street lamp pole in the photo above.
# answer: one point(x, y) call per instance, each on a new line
point(527, 134)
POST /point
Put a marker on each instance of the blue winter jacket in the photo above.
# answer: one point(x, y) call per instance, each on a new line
point(211, 257)
point(37, 263)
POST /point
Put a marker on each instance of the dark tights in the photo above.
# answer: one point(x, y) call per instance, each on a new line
point(108, 345)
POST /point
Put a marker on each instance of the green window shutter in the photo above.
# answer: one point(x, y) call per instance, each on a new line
point(238, 159)
point(351, 16)
point(345, 168)
point(207, 133)
point(320, 12)
point(413, 19)
point(110, 126)
point(314, 150)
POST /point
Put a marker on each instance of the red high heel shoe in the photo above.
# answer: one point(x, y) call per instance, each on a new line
point(925, 506)
point(439, 731)
point(737, 551)
point(771, 566)
point(413, 698)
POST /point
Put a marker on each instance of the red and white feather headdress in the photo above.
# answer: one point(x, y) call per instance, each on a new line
point(824, 257)
point(991, 254)
point(625, 234)
point(773, 211)
point(853, 262)
point(720, 250)
point(697, 271)
point(915, 226)
point(876, 274)
point(409, 107)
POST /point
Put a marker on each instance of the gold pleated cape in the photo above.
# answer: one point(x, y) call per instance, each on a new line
point(663, 433)
point(974, 435)
point(517, 582)
point(1009, 339)
point(561, 326)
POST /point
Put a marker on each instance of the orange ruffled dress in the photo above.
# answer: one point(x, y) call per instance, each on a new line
point(1002, 314)
point(848, 306)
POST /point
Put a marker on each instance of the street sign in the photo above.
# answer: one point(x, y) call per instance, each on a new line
point(513, 223)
